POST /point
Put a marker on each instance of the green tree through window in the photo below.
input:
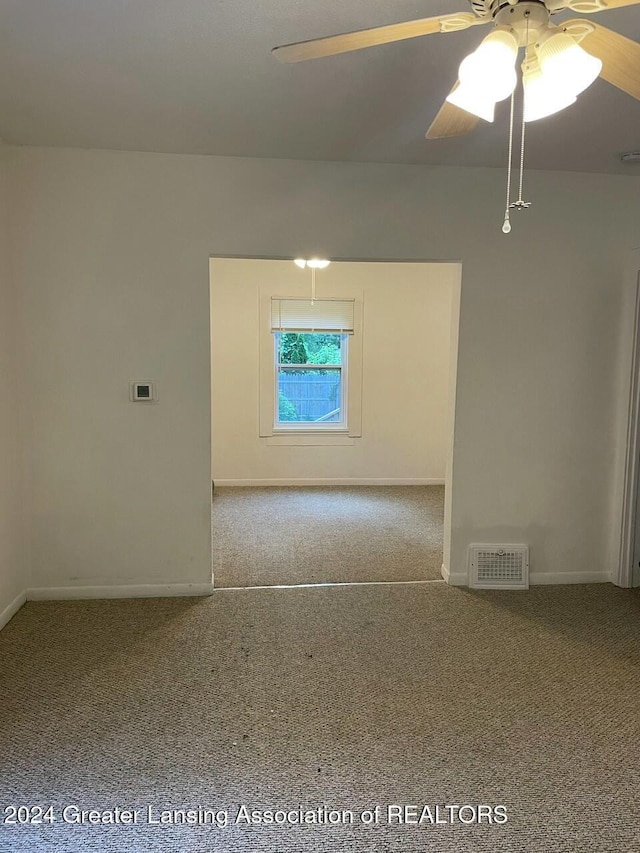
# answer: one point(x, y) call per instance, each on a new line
point(292, 348)
point(310, 348)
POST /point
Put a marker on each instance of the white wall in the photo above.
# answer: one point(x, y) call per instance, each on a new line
point(13, 578)
point(119, 492)
point(110, 253)
point(406, 341)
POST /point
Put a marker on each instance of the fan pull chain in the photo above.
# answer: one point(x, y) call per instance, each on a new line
point(521, 162)
point(506, 225)
point(520, 204)
point(313, 285)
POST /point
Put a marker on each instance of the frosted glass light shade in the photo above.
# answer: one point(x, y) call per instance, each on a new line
point(566, 64)
point(487, 75)
point(541, 97)
point(491, 67)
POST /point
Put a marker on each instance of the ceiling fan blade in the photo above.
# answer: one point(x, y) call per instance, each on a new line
point(620, 56)
point(332, 45)
point(452, 121)
point(590, 7)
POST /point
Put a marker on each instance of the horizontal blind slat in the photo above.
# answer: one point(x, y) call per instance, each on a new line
point(300, 315)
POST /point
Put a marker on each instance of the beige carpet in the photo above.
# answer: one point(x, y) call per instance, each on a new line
point(341, 696)
point(269, 536)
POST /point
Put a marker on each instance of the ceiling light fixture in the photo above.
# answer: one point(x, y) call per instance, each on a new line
point(541, 96)
point(555, 71)
point(487, 75)
point(313, 263)
point(565, 62)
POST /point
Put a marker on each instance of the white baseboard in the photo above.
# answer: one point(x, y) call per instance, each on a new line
point(539, 578)
point(11, 609)
point(179, 590)
point(172, 590)
point(329, 481)
point(453, 579)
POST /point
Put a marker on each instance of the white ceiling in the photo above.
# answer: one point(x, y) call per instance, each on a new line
point(196, 76)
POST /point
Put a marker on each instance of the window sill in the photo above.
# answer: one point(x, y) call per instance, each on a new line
point(298, 429)
point(310, 439)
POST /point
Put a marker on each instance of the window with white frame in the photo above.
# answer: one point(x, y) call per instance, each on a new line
point(311, 380)
point(310, 387)
point(311, 345)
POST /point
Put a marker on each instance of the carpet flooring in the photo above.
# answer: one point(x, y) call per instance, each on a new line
point(271, 536)
point(345, 697)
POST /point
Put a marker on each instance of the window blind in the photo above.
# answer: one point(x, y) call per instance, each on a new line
point(324, 315)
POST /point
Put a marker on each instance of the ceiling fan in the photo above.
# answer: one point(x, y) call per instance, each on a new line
point(559, 63)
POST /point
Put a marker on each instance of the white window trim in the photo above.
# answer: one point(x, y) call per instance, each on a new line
point(351, 377)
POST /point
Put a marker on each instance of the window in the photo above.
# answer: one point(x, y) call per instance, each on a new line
point(311, 351)
point(310, 386)
point(311, 379)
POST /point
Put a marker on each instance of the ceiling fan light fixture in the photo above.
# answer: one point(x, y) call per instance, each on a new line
point(300, 262)
point(542, 97)
point(565, 63)
point(487, 75)
point(492, 65)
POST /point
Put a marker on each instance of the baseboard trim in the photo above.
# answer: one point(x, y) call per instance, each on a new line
point(330, 481)
point(11, 609)
point(537, 578)
point(181, 590)
point(79, 593)
point(540, 578)
point(453, 579)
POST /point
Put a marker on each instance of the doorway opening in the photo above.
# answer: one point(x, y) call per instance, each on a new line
point(332, 421)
